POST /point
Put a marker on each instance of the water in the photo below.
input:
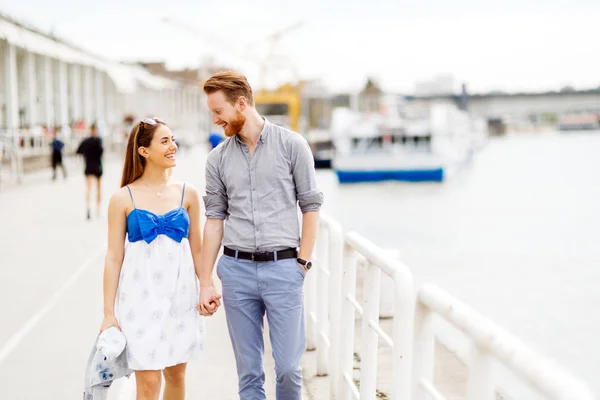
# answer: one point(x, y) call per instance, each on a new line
point(516, 235)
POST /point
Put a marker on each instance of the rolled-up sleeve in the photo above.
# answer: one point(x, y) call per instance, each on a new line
point(310, 198)
point(215, 200)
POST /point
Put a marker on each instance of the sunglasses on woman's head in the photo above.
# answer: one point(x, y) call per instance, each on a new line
point(152, 121)
point(147, 121)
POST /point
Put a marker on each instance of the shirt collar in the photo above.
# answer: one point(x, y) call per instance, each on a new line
point(263, 134)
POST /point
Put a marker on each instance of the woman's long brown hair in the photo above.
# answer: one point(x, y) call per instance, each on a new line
point(141, 135)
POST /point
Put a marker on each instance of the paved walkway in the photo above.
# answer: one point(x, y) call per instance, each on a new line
point(51, 265)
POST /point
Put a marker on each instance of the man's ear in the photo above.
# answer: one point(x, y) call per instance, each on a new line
point(242, 103)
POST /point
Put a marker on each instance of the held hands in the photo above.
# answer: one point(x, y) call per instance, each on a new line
point(209, 302)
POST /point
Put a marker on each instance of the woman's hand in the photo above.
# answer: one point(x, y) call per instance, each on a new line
point(209, 301)
point(108, 322)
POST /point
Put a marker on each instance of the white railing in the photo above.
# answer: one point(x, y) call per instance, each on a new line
point(17, 145)
point(25, 143)
point(332, 306)
point(12, 145)
point(328, 264)
point(375, 261)
point(331, 327)
point(489, 343)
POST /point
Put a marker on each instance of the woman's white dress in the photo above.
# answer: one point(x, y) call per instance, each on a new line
point(158, 291)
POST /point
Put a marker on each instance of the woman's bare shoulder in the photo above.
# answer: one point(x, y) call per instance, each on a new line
point(120, 197)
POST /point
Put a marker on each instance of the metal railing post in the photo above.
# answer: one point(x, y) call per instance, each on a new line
point(423, 351)
point(370, 338)
point(322, 303)
point(347, 317)
point(403, 332)
point(336, 255)
point(480, 385)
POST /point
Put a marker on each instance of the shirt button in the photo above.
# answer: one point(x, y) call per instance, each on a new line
point(253, 189)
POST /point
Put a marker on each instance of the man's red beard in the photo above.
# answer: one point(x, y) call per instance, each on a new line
point(235, 125)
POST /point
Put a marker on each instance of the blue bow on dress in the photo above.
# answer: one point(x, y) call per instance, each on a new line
point(174, 224)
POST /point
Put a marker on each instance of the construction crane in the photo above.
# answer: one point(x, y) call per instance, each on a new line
point(208, 36)
point(273, 39)
point(263, 63)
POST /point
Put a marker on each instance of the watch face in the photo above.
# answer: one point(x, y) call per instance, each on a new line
point(308, 265)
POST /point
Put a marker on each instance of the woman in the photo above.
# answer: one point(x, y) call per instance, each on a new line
point(150, 281)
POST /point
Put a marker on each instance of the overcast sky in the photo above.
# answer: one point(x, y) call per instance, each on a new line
point(519, 45)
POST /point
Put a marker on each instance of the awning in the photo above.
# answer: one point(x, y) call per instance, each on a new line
point(125, 77)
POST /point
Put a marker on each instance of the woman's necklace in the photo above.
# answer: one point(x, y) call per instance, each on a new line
point(158, 194)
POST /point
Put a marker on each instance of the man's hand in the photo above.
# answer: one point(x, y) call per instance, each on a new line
point(209, 302)
point(303, 268)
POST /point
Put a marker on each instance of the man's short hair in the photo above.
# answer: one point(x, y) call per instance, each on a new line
point(233, 85)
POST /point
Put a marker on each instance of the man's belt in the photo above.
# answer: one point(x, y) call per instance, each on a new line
point(261, 257)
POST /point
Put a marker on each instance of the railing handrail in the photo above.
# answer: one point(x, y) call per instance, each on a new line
point(537, 371)
point(404, 299)
point(377, 256)
point(412, 340)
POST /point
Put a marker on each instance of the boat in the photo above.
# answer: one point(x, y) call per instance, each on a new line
point(322, 147)
point(579, 122)
point(426, 148)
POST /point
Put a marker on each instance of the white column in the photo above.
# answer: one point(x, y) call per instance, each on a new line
point(111, 105)
point(140, 102)
point(63, 95)
point(160, 108)
point(11, 92)
point(48, 92)
point(179, 110)
point(88, 95)
point(185, 106)
point(100, 95)
point(175, 106)
point(169, 107)
point(156, 104)
point(164, 105)
point(31, 79)
point(75, 95)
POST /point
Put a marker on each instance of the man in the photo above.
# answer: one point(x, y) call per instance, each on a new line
point(255, 181)
point(57, 154)
point(91, 148)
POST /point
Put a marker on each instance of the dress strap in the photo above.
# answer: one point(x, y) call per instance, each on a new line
point(182, 194)
point(130, 195)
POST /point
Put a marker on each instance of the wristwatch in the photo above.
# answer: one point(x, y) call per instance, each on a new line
point(307, 264)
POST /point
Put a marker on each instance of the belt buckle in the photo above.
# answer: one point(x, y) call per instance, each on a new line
point(253, 256)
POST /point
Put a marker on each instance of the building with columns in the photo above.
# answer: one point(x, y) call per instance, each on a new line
point(47, 81)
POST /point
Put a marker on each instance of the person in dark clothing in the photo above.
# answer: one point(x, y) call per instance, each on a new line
point(91, 148)
point(57, 156)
